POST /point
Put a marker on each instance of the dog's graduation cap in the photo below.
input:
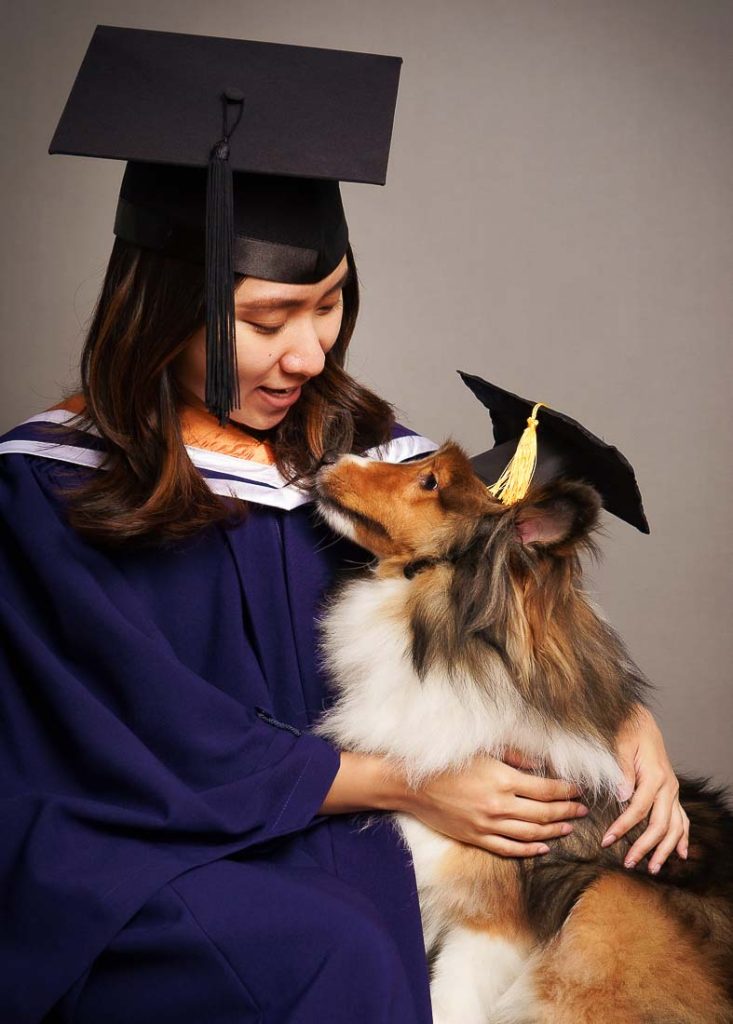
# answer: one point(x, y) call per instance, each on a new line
point(536, 444)
point(235, 150)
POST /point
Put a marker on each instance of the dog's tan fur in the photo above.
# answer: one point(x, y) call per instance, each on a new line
point(484, 892)
point(625, 959)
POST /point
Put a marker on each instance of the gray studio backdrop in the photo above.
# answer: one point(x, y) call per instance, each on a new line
point(558, 217)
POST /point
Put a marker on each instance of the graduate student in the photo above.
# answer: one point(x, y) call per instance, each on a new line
point(175, 845)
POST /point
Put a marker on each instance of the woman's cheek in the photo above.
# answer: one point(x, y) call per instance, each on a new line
point(256, 355)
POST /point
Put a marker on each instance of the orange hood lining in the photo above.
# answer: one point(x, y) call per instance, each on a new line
point(200, 429)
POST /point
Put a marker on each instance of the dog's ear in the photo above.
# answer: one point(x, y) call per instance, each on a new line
point(561, 514)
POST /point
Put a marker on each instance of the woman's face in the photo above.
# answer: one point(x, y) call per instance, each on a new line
point(283, 333)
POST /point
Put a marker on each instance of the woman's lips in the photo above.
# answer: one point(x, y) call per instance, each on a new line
point(279, 398)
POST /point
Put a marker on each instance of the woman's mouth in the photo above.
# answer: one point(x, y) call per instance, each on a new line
point(280, 398)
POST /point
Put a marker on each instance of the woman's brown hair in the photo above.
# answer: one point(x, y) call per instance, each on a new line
point(149, 490)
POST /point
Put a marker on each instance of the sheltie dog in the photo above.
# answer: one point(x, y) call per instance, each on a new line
point(471, 634)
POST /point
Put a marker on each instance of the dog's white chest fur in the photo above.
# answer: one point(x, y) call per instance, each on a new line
point(441, 721)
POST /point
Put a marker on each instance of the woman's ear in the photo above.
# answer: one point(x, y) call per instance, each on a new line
point(562, 513)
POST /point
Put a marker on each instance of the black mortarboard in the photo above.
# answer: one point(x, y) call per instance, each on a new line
point(235, 150)
point(564, 448)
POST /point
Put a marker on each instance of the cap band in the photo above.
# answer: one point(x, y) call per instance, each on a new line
point(254, 257)
point(275, 261)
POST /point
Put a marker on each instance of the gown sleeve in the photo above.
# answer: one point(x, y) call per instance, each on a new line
point(120, 767)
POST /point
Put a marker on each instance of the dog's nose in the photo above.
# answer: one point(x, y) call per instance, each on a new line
point(329, 457)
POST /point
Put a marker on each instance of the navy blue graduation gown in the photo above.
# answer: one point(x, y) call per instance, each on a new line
point(161, 853)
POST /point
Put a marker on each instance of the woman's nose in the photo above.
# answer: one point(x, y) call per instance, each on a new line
point(305, 355)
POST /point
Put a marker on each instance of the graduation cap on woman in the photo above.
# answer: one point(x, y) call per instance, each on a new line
point(235, 150)
point(535, 444)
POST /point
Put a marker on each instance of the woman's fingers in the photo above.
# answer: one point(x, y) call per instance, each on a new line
point(529, 831)
point(669, 843)
point(503, 847)
point(641, 752)
point(684, 843)
point(546, 812)
point(535, 787)
point(656, 830)
point(637, 810)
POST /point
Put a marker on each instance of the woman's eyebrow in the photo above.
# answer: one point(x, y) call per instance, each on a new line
point(274, 302)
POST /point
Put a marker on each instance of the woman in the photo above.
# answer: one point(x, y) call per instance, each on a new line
point(176, 845)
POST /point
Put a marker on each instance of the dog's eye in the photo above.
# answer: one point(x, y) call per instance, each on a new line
point(429, 482)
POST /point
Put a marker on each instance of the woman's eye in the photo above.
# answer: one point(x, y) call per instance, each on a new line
point(429, 482)
point(265, 328)
point(323, 310)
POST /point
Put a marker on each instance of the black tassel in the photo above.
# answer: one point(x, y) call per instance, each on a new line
point(222, 380)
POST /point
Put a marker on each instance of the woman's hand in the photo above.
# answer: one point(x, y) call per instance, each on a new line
point(649, 777)
point(493, 805)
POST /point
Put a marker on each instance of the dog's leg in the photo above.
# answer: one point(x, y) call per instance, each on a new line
point(473, 968)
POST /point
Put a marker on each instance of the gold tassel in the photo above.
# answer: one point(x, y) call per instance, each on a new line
point(514, 482)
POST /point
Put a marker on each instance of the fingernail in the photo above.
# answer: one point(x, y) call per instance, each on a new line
point(582, 811)
point(685, 851)
point(543, 848)
point(608, 839)
point(629, 864)
point(654, 869)
point(566, 829)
